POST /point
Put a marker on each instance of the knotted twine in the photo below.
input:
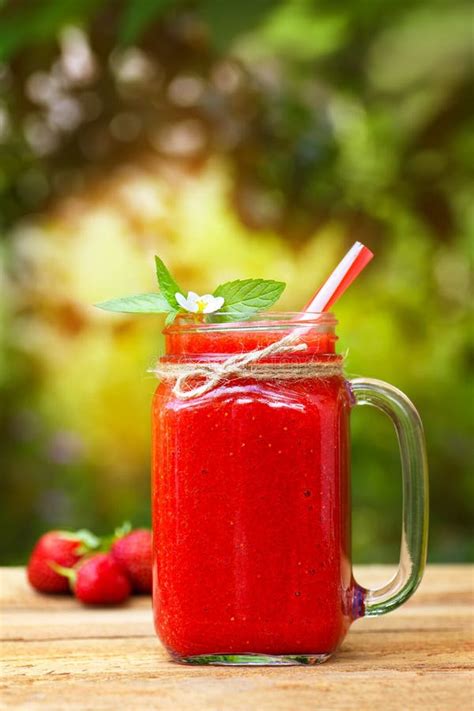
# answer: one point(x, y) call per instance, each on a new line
point(243, 365)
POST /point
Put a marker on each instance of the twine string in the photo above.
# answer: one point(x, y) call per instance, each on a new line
point(243, 365)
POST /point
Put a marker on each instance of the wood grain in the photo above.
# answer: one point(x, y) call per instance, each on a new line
point(57, 654)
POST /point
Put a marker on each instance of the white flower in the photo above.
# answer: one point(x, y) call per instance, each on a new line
point(206, 304)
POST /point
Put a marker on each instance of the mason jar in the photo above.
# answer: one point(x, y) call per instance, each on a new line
point(251, 492)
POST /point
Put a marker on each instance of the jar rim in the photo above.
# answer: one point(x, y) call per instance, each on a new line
point(260, 321)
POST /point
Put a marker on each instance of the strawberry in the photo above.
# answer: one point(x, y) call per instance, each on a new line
point(97, 580)
point(133, 553)
point(57, 547)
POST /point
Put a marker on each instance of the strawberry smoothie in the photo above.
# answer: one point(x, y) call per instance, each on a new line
point(251, 512)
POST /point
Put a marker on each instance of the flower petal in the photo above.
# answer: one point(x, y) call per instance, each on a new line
point(181, 299)
point(214, 303)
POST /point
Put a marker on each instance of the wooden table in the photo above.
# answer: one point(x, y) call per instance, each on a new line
point(60, 655)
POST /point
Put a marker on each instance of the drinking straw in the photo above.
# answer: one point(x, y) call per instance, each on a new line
point(341, 278)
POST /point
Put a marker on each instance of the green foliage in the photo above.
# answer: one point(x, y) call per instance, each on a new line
point(228, 20)
point(38, 23)
point(137, 15)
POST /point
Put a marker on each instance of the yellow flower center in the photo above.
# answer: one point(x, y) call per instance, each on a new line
point(201, 306)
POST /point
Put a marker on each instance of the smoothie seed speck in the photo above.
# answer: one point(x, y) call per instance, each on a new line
point(297, 594)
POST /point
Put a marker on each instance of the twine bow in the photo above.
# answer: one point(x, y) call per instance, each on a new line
point(243, 365)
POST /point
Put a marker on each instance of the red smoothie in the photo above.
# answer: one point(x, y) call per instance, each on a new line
point(251, 512)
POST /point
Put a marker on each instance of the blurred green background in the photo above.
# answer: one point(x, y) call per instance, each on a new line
point(246, 139)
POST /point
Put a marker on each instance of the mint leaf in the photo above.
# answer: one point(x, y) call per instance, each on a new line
point(138, 304)
point(169, 320)
point(168, 286)
point(244, 297)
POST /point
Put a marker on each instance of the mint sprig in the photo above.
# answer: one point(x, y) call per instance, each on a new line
point(242, 298)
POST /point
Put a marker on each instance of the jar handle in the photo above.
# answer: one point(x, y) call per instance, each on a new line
point(411, 440)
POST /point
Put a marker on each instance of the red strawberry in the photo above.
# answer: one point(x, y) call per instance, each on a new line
point(133, 553)
point(61, 547)
point(98, 580)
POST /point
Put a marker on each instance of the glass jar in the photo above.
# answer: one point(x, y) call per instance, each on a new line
point(251, 492)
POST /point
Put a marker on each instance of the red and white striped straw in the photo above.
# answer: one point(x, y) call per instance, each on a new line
point(342, 277)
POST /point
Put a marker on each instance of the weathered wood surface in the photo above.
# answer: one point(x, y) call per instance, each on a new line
point(57, 654)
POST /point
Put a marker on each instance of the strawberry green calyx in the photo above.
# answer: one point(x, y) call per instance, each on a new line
point(88, 541)
point(123, 530)
point(68, 573)
point(106, 542)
